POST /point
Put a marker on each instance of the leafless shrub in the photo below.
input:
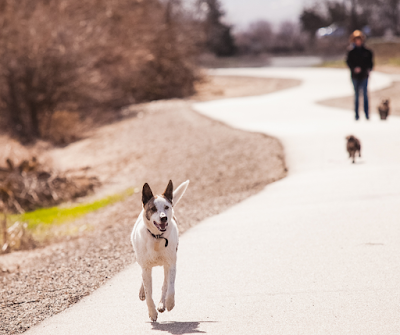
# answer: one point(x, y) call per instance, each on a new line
point(89, 56)
point(30, 185)
point(168, 70)
point(63, 127)
point(16, 237)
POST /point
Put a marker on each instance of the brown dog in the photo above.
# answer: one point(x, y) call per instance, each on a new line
point(384, 109)
point(353, 145)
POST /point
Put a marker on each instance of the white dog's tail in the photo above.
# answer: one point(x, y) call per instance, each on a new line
point(178, 193)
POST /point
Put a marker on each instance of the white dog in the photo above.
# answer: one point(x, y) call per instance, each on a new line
point(155, 241)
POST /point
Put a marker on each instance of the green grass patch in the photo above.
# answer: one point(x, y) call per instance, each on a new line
point(60, 214)
point(394, 61)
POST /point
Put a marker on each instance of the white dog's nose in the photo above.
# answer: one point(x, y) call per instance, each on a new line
point(163, 217)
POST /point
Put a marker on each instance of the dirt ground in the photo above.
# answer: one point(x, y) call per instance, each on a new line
point(153, 143)
point(375, 98)
point(220, 87)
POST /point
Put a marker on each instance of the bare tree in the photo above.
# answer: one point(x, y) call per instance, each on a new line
point(257, 38)
point(390, 9)
point(289, 38)
point(260, 38)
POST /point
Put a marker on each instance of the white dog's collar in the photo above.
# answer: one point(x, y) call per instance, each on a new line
point(157, 237)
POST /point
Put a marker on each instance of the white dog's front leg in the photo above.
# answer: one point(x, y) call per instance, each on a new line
point(147, 283)
point(170, 301)
point(161, 305)
point(142, 294)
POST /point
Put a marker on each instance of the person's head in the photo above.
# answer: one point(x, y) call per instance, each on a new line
point(358, 41)
point(357, 37)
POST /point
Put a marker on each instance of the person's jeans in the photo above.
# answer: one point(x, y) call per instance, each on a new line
point(361, 84)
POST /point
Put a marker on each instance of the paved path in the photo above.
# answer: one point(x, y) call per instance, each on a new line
point(295, 61)
point(315, 253)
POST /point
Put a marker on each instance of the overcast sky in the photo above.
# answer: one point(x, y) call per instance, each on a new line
point(242, 12)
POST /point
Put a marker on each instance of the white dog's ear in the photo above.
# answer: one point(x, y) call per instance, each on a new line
point(168, 193)
point(178, 193)
point(147, 194)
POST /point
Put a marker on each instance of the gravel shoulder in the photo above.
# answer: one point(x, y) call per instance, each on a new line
point(153, 143)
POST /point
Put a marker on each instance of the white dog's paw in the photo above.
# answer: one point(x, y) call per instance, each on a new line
point(170, 302)
point(153, 315)
point(161, 307)
point(142, 294)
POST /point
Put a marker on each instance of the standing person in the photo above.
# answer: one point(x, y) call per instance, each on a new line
point(360, 62)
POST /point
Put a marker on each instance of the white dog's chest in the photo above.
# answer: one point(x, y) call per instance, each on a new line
point(157, 254)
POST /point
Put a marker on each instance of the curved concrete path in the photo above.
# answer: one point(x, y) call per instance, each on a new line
point(315, 253)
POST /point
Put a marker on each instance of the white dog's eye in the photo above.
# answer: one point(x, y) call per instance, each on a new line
point(154, 209)
point(166, 207)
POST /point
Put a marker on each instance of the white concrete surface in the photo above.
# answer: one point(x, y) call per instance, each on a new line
point(315, 253)
point(295, 61)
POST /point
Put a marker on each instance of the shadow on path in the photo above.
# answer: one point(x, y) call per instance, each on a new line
point(178, 328)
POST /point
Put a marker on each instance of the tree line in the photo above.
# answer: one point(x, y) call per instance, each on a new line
point(376, 17)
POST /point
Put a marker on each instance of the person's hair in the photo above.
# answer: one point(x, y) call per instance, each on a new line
point(357, 34)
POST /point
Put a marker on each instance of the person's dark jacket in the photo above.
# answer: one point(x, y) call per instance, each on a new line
point(360, 57)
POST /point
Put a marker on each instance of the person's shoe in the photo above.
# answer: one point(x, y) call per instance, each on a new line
point(357, 117)
point(367, 117)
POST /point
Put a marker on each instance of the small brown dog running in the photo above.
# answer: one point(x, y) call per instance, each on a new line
point(353, 145)
point(384, 109)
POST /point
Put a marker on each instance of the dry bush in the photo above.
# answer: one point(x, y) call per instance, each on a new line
point(90, 56)
point(62, 127)
point(31, 185)
point(17, 237)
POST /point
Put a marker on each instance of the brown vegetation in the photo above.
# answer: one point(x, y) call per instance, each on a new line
point(89, 56)
point(30, 185)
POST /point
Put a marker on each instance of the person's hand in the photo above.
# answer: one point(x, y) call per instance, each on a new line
point(357, 69)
